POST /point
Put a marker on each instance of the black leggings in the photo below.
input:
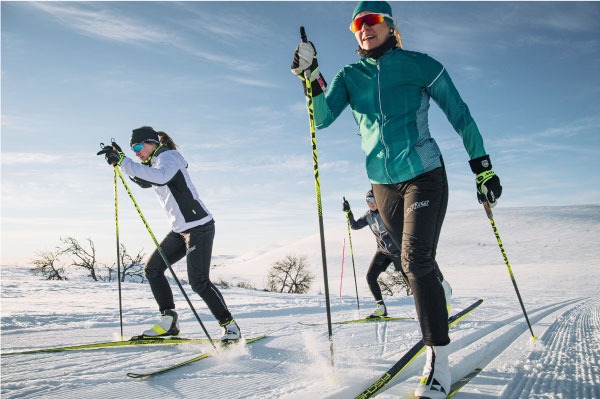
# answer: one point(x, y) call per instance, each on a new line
point(413, 212)
point(196, 245)
point(379, 263)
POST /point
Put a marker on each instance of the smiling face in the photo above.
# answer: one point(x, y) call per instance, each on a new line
point(370, 37)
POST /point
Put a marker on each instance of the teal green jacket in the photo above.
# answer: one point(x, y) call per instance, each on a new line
point(389, 98)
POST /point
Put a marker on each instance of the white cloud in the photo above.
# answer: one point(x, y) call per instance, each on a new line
point(572, 128)
point(15, 158)
point(250, 81)
point(91, 20)
point(102, 23)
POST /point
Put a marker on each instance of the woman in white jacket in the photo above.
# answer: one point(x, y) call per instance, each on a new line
point(193, 228)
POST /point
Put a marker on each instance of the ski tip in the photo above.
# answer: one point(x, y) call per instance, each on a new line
point(135, 375)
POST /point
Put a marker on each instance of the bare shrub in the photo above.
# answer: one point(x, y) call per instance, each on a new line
point(393, 282)
point(291, 275)
point(46, 265)
point(81, 257)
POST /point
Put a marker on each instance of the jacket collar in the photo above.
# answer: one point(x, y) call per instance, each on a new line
point(160, 149)
point(375, 53)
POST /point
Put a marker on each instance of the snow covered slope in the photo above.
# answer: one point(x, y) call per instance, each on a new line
point(553, 252)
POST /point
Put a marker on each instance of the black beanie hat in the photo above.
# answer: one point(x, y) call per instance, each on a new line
point(143, 135)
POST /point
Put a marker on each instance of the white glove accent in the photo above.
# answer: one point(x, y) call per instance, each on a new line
point(306, 54)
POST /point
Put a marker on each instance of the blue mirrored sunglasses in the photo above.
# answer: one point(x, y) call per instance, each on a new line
point(370, 200)
point(137, 147)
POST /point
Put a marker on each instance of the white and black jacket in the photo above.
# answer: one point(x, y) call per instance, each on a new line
point(171, 182)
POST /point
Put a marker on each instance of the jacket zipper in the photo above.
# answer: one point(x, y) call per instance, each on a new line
point(387, 150)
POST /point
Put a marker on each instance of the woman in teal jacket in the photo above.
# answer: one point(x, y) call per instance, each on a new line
point(389, 90)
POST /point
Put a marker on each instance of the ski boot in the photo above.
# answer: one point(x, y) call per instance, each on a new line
point(448, 294)
point(231, 332)
point(435, 382)
point(381, 311)
point(167, 325)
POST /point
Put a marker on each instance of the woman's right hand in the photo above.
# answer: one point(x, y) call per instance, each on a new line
point(305, 59)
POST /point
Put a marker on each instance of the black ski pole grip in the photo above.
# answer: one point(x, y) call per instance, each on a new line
point(303, 34)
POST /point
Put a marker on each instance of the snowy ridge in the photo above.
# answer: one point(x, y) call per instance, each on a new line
point(555, 262)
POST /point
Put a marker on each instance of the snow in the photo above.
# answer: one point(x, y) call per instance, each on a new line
point(553, 252)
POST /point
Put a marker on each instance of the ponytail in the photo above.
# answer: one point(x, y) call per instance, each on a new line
point(166, 141)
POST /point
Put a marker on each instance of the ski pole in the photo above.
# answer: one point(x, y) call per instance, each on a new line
point(162, 254)
point(490, 216)
point(342, 273)
point(118, 252)
point(313, 136)
point(352, 254)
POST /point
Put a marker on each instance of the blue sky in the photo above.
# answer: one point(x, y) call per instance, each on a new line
point(215, 76)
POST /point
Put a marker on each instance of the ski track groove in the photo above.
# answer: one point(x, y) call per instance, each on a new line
point(482, 347)
point(571, 344)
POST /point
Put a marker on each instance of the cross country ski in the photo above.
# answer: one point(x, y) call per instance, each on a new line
point(133, 341)
point(364, 320)
point(411, 355)
point(458, 385)
point(189, 361)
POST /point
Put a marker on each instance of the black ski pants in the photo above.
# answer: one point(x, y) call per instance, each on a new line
point(413, 212)
point(196, 245)
point(379, 264)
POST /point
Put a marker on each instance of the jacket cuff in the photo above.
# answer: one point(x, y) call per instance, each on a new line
point(480, 164)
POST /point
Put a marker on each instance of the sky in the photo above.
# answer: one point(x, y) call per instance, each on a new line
point(215, 76)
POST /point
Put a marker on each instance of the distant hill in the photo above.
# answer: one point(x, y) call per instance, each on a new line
point(529, 235)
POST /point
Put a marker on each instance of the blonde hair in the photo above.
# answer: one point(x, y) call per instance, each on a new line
point(398, 37)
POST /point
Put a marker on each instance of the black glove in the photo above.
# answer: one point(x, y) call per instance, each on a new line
point(116, 147)
point(305, 59)
point(488, 184)
point(346, 206)
point(113, 154)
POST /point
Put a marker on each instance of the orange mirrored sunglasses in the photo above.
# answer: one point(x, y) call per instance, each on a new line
point(369, 19)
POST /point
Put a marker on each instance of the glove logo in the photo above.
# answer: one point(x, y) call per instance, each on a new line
point(485, 163)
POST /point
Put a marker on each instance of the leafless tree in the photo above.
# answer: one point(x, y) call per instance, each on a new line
point(132, 266)
point(291, 275)
point(393, 282)
point(46, 264)
point(82, 257)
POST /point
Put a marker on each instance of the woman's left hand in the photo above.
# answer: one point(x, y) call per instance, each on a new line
point(487, 182)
